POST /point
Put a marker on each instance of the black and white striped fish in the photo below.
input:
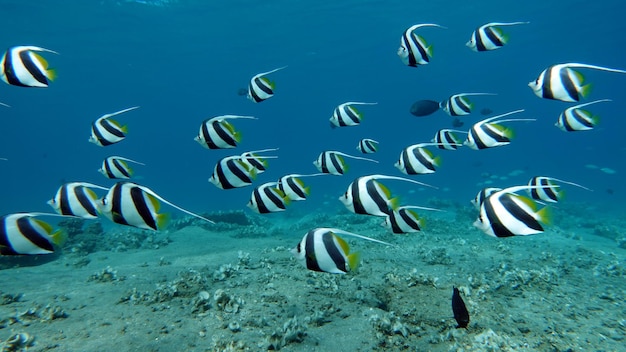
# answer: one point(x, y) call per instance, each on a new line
point(76, 199)
point(22, 234)
point(116, 167)
point(459, 104)
point(22, 66)
point(367, 146)
point(365, 195)
point(413, 50)
point(105, 131)
point(231, 172)
point(506, 214)
point(128, 203)
point(293, 187)
point(260, 87)
point(322, 250)
point(218, 133)
point(482, 194)
point(405, 220)
point(544, 189)
point(488, 133)
point(347, 115)
point(332, 162)
point(417, 160)
point(447, 139)
point(489, 36)
point(561, 82)
point(575, 118)
point(268, 198)
point(258, 162)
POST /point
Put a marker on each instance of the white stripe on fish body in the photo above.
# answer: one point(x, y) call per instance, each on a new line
point(76, 199)
point(267, 198)
point(367, 146)
point(15, 67)
point(322, 250)
point(332, 162)
point(505, 214)
point(106, 131)
point(543, 189)
point(446, 139)
point(293, 187)
point(575, 118)
point(116, 167)
point(232, 172)
point(413, 50)
point(459, 105)
point(482, 195)
point(417, 160)
point(260, 87)
point(218, 133)
point(488, 133)
point(561, 82)
point(403, 220)
point(347, 115)
point(21, 234)
point(489, 37)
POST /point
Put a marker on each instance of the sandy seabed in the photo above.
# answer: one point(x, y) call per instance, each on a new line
point(234, 286)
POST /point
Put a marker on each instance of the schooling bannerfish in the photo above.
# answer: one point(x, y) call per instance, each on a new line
point(459, 104)
point(21, 233)
point(106, 131)
point(22, 66)
point(561, 82)
point(332, 162)
point(76, 199)
point(461, 315)
point(347, 115)
point(218, 133)
point(413, 50)
point(417, 160)
point(543, 188)
point(261, 88)
point(488, 133)
point(405, 220)
point(447, 139)
point(489, 37)
point(268, 198)
point(575, 118)
point(321, 249)
point(294, 188)
point(116, 167)
point(367, 146)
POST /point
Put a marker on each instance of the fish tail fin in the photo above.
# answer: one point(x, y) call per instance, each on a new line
point(394, 203)
point(125, 128)
point(429, 50)
point(585, 90)
point(505, 38)
point(437, 161)
point(51, 74)
point(59, 237)
point(237, 136)
point(545, 215)
point(354, 259)
point(307, 190)
point(595, 119)
point(162, 220)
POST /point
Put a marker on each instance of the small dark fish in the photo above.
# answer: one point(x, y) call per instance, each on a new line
point(242, 92)
point(485, 111)
point(424, 107)
point(461, 315)
point(456, 123)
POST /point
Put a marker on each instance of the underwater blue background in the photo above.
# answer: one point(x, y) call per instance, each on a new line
point(185, 61)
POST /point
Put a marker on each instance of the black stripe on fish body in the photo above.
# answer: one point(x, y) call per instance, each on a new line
point(82, 196)
point(420, 48)
point(107, 169)
point(498, 228)
point(393, 222)
point(120, 167)
point(474, 136)
point(32, 68)
point(233, 168)
point(29, 232)
point(5, 244)
point(406, 40)
point(98, 134)
point(350, 114)
point(406, 162)
point(255, 163)
point(479, 39)
point(368, 146)
point(206, 136)
point(568, 84)
point(295, 187)
point(309, 252)
point(458, 107)
point(494, 133)
point(111, 128)
point(117, 215)
point(546, 87)
point(274, 198)
point(259, 202)
point(334, 253)
point(357, 203)
point(493, 37)
point(461, 315)
point(223, 134)
point(336, 164)
point(421, 158)
point(64, 201)
point(408, 219)
point(547, 189)
point(374, 194)
point(450, 142)
point(141, 205)
point(582, 119)
point(519, 213)
point(9, 71)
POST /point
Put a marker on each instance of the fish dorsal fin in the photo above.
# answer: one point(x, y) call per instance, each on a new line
point(346, 233)
point(567, 182)
point(47, 227)
point(593, 67)
point(126, 159)
point(271, 71)
point(339, 154)
point(342, 243)
point(492, 24)
point(420, 25)
point(498, 116)
point(106, 116)
point(152, 193)
point(377, 176)
point(586, 104)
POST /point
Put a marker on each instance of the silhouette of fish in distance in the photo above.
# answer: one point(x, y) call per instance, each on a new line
point(424, 107)
point(461, 315)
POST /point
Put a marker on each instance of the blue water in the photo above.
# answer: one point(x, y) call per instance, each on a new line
point(184, 61)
